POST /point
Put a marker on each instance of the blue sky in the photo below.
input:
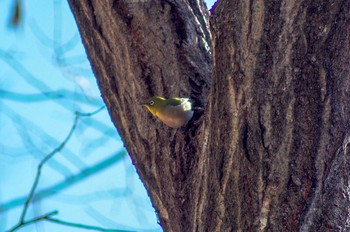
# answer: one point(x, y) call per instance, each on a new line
point(40, 62)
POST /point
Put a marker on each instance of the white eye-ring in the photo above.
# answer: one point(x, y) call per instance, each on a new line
point(151, 103)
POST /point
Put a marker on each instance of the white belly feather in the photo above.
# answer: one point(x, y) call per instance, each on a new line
point(177, 116)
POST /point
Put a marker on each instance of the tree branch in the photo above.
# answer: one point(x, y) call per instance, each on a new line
point(22, 220)
point(69, 181)
point(34, 220)
point(40, 166)
point(78, 225)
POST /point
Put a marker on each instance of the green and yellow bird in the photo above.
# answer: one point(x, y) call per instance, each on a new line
point(174, 112)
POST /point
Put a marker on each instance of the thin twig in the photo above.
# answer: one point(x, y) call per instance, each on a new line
point(90, 114)
point(61, 94)
point(22, 222)
point(78, 225)
point(42, 217)
point(47, 217)
point(68, 182)
point(37, 83)
point(38, 173)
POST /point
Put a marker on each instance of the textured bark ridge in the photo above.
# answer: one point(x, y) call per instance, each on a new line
point(267, 149)
point(139, 49)
point(284, 67)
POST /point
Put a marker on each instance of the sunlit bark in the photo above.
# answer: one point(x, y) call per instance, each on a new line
point(267, 147)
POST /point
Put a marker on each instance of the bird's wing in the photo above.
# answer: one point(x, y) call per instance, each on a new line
point(176, 101)
point(183, 104)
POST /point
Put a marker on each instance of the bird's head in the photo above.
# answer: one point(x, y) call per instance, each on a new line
point(155, 104)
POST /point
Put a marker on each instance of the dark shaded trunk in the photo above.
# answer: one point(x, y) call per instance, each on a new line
point(267, 147)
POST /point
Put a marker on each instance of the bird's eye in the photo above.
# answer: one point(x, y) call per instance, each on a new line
point(151, 103)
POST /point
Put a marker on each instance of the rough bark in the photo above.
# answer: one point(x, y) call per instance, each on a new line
point(269, 151)
point(284, 66)
point(140, 49)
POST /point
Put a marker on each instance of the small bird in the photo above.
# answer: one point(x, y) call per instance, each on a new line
point(174, 112)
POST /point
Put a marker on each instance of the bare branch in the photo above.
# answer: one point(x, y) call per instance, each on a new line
point(90, 114)
point(29, 199)
point(47, 217)
point(37, 177)
point(34, 220)
point(68, 182)
point(72, 224)
point(40, 85)
point(48, 96)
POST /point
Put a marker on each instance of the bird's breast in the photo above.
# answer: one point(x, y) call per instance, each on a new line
point(176, 116)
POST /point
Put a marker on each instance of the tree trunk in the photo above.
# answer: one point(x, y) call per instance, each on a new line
point(267, 147)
